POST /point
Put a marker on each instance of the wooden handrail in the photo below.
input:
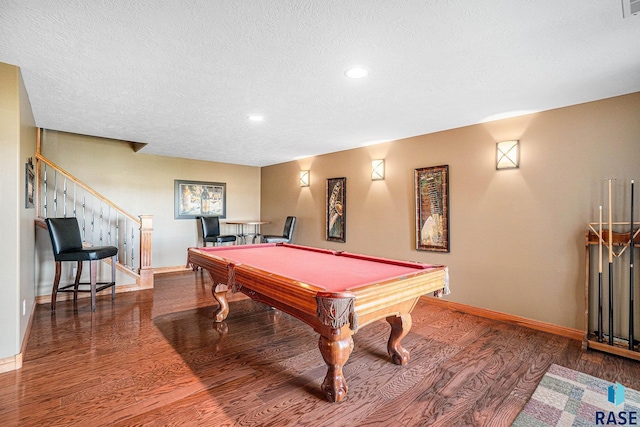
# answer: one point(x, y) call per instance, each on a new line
point(97, 195)
point(138, 264)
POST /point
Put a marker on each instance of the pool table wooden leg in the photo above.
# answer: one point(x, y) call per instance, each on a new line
point(400, 327)
point(335, 354)
point(219, 292)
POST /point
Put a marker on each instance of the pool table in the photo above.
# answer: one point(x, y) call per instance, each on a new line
point(334, 292)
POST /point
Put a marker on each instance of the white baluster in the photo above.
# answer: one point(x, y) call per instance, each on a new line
point(109, 226)
point(44, 182)
point(93, 222)
point(101, 222)
point(64, 197)
point(55, 194)
point(75, 214)
point(132, 247)
point(124, 243)
point(84, 218)
point(117, 231)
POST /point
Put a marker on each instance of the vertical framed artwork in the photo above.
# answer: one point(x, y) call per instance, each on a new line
point(29, 184)
point(193, 199)
point(336, 209)
point(432, 208)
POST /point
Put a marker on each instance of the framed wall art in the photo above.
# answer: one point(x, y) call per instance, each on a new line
point(29, 183)
point(194, 199)
point(336, 209)
point(432, 208)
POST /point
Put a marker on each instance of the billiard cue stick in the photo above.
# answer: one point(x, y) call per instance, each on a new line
point(600, 332)
point(610, 270)
point(631, 296)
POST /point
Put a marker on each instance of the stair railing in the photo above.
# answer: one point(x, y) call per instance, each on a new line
point(101, 221)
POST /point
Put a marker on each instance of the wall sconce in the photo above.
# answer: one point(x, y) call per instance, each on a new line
point(304, 178)
point(377, 170)
point(508, 154)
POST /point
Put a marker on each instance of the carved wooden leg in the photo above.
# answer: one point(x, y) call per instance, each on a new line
point(400, 326)
point(219, 292)
point(335, 355)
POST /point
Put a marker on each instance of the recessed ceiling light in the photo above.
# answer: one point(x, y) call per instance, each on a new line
point(356, 72)
point(255, 118)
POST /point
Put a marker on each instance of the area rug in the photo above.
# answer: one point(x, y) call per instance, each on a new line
point(566, 397)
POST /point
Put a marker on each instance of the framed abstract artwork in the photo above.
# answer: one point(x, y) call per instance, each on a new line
point(336, 209)
point(194, 199)
point(432, 208)
point(29, 182)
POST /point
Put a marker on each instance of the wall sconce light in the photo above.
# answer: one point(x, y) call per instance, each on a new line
point(377, 170)
point(304, 178)
point(508, 154)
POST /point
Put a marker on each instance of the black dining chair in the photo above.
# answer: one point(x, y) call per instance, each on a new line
point(287, 233)
point(211, 231)
point(67, 246)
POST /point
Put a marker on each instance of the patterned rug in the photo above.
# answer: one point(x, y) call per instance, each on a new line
point(566, 397)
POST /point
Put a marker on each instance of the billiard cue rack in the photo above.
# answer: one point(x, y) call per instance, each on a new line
point(609, 305)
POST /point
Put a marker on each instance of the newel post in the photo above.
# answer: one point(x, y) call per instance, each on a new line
point(146, 270)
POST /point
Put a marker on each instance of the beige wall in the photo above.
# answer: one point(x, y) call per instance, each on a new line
point(143, 184)
point(9, 181)
point(17, 144)
point(28, 132)
point(517, 236)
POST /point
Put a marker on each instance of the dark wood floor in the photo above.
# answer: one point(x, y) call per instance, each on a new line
point(156, 358)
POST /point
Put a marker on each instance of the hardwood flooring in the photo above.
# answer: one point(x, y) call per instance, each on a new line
point(156, 358)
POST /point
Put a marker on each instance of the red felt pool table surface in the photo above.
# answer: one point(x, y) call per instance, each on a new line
point(331, 271)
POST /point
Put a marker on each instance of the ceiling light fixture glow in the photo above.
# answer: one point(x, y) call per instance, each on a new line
point(374, 142)
point(255, 118)
point(356, 73)
point(507, 115)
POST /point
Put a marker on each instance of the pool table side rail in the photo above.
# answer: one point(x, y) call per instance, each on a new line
point(279, 291)
point(372, 302)
point(386, 299)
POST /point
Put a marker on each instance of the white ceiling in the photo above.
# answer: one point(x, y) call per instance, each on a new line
point(183, 76)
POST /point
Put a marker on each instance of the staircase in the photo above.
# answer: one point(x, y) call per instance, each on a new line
point(102, 222)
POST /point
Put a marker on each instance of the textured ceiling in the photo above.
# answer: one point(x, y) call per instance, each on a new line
point(183, 76)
